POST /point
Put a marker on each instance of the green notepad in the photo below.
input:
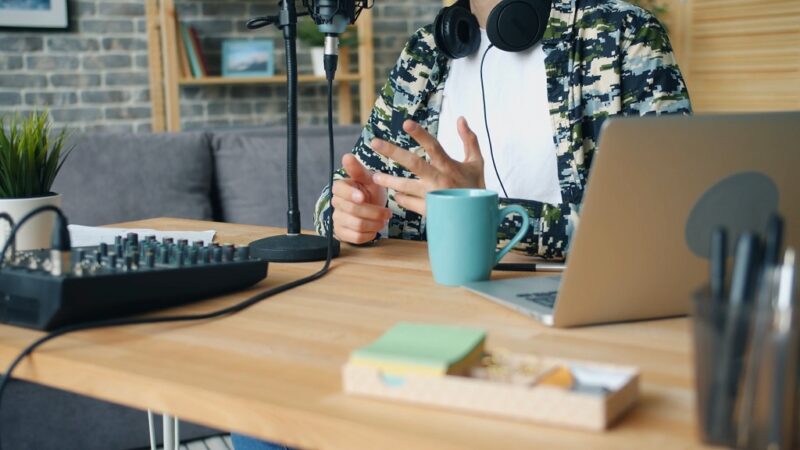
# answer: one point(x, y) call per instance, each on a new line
point(423, 349)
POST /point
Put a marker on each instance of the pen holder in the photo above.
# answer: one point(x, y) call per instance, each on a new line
point(736, 368)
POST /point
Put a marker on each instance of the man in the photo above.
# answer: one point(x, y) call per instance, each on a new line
point(598, 58)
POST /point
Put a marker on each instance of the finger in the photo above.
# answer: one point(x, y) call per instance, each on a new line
point(355, 169)
point(364, 211)
point(427, 141)
point(411, 203)
point(341, 219)
point(400, 184)
point(472, 149)
point(343, 189)
point(353, 237)
point(405, 158)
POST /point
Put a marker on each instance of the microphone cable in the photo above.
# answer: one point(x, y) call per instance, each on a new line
point(233, 309)
point(486, 121)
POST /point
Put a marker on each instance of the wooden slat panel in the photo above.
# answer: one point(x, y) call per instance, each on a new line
point(743, 55)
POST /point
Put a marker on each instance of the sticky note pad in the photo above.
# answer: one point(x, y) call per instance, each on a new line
point(423, 349)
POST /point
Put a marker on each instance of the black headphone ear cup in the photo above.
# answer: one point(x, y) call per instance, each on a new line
point(456, 32)
point(517, 25)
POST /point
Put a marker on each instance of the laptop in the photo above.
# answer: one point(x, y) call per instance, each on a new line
point(657, 188)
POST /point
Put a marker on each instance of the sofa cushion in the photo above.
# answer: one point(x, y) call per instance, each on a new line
point(250, 168)
point(116, 177)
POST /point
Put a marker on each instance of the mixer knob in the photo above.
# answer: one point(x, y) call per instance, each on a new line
point(150, 258)
point(197, 244)
point(167, 241)
point(243, 253)
point(128, 263)
point(112, 260)
point(104, 249)
point(227, 252)
point(183, 242)
point(133, 238)
point(193, 256)
point(217, 253)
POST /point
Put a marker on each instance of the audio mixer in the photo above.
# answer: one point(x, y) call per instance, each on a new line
point(46, 289)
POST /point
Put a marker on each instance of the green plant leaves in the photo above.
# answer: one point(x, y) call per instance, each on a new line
point(31, 155)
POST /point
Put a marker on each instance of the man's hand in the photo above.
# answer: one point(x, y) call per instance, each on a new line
point(359, 204)
point(441, 173)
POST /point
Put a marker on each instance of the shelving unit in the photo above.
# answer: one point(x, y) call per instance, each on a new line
point(166, 79)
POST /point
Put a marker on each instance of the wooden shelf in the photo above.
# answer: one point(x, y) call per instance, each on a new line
point(277, 79)
point(166, 77)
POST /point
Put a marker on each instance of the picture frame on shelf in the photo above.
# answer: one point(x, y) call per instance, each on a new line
point(34, 14)
point(248, 58)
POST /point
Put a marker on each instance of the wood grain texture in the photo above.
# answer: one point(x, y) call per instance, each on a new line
point(742, 55)
point(274, 370)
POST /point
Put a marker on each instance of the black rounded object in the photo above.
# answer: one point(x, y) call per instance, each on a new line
point(456, 32)
point(517, 25)
point(293, 248)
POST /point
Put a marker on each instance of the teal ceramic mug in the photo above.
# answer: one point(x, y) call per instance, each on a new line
point(462, 234)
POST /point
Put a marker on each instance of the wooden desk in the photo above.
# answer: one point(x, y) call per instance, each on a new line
point(273, 371)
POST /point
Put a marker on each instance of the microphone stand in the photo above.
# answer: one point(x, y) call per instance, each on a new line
point(292, 246)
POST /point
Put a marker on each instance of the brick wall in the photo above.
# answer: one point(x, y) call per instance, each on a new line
point(95, 76)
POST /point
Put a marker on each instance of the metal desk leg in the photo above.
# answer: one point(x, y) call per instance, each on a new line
point(171, 430)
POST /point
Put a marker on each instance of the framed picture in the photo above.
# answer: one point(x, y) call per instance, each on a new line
point(37, 14)
point(248, 58)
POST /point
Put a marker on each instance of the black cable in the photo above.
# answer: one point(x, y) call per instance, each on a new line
point(7, 217)
point(486, 122)
point(12, 236)
point(188, 317)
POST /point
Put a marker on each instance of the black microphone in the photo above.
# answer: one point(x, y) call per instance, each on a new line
point(332, 18)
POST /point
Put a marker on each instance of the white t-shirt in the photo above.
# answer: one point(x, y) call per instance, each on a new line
point(518, 113)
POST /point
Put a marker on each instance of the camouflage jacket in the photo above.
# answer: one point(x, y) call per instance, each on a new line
point(602, 57)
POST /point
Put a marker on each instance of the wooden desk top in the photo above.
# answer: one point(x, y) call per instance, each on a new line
point(273, 371)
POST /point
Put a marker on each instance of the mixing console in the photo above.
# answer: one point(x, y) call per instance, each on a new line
point(47, 289)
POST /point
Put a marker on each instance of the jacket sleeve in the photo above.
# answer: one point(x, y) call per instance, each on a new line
point(651, 81)
point(402, 97)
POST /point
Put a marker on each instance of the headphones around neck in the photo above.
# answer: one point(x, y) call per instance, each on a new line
point(512, 26)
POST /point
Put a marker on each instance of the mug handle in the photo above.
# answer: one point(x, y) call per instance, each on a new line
point(517, 237)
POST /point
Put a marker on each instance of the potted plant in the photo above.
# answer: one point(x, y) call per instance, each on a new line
point(31, 155)
point(309, 34)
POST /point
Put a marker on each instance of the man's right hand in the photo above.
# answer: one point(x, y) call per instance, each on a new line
point(359, 204)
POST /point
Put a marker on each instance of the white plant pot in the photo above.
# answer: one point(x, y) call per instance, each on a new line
point(318, 61)
point(37, 231)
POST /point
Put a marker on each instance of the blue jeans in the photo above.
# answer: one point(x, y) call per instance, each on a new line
point(242, 442)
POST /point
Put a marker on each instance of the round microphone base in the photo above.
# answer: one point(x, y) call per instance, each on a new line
point(293, 248)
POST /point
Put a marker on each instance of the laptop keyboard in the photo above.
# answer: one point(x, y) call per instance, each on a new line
point(546, 299)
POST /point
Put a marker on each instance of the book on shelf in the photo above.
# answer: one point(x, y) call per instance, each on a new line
point(183, 57)
point(191, 51)
point(199, 50)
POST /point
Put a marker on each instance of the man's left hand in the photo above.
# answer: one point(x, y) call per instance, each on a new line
point(442, 172)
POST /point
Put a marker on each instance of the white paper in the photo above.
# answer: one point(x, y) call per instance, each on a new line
point(83, 236)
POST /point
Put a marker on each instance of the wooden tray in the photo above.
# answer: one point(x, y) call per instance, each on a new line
point(585, 409)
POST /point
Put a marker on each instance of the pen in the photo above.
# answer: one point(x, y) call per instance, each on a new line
point(719, 255)
point(781, 420)
point(774, 240)
point(734, 335)
point(516, 267)
point(532, 267)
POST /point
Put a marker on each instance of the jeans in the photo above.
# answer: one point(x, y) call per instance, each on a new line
point(242, 442)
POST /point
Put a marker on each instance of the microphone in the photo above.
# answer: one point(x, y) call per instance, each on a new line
point(332, 18)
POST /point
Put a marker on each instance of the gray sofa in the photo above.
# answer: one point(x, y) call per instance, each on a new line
point(230, 176)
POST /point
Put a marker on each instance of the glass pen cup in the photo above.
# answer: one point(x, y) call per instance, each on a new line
point(735, 367)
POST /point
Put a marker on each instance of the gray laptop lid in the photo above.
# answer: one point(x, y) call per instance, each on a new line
point(630, 258)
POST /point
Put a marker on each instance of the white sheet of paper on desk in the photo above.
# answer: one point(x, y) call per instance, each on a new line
point(83, 236)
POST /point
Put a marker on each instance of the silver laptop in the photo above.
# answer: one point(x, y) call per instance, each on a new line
point(658, 187)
